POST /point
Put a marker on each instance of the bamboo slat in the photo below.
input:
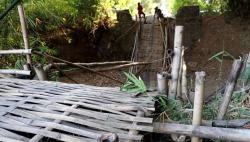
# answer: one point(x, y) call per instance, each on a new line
point(69, 112)
point(17, 51)
point(14, 71)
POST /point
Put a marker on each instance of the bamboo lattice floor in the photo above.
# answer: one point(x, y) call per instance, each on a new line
point(49, 111)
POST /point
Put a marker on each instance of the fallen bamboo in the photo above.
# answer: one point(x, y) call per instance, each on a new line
point(14, 71)
point(18, 51)
point(24, 31)
point(227, 134)
point(233, 77)
point(79, 66)
point(198, 102)
point(123, 66)
point(176, 62)
point(49, 66)
point(237, 123)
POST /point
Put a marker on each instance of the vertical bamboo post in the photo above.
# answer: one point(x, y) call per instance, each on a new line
point(198, 101)
point(41, 74)
point(176, 61)
point(179, 87)
point(24, 31)
point(140, 113)
point(184, 91)
point(234, 74)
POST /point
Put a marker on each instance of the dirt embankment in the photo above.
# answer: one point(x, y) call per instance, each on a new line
point(218, 35)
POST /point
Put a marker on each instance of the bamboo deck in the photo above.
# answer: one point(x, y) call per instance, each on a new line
point(34, 110)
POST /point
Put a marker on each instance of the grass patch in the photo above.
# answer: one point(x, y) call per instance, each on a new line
point(178, 111)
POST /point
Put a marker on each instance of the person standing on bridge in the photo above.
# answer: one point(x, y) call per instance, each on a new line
point(140, 12)
point(158, 13)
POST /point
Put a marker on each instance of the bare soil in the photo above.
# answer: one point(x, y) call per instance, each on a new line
point(217, 35)
point(88, 78)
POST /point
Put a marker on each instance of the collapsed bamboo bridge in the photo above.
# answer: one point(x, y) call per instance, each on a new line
point(34, 110)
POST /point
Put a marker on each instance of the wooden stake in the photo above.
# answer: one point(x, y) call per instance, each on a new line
point(227, 134)
point(229, 88)
point(198, 101)
point(24, 30)
point(176, 61)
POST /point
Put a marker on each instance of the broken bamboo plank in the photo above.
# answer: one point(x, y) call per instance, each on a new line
point(176, 61)
point(233, 77)
point(198, 101)
point(227, 134)
point(14, 71)
point(17, 51)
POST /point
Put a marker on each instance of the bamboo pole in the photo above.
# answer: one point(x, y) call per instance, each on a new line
point(227, 134)
point(49, 66)
point(198, 102)
point(231, 82)
point(184, 91)
point(134, 132)
point(26, 67)
point(18, 51)
point(123, 66)
point(179, 87)
point(176, 61)
point(9, 8)
point(79, 66)
point(14, 71)
point(41, 74)
point(24, 30)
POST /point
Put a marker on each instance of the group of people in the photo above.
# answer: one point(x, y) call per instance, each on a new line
point(158, 13)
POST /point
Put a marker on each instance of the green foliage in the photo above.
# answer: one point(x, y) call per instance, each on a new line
point(176, 110)
point(134, 84)
point(172, 110)
point(220, 55)
point(210, 6)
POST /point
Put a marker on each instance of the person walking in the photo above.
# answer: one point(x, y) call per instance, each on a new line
point(141, 14)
